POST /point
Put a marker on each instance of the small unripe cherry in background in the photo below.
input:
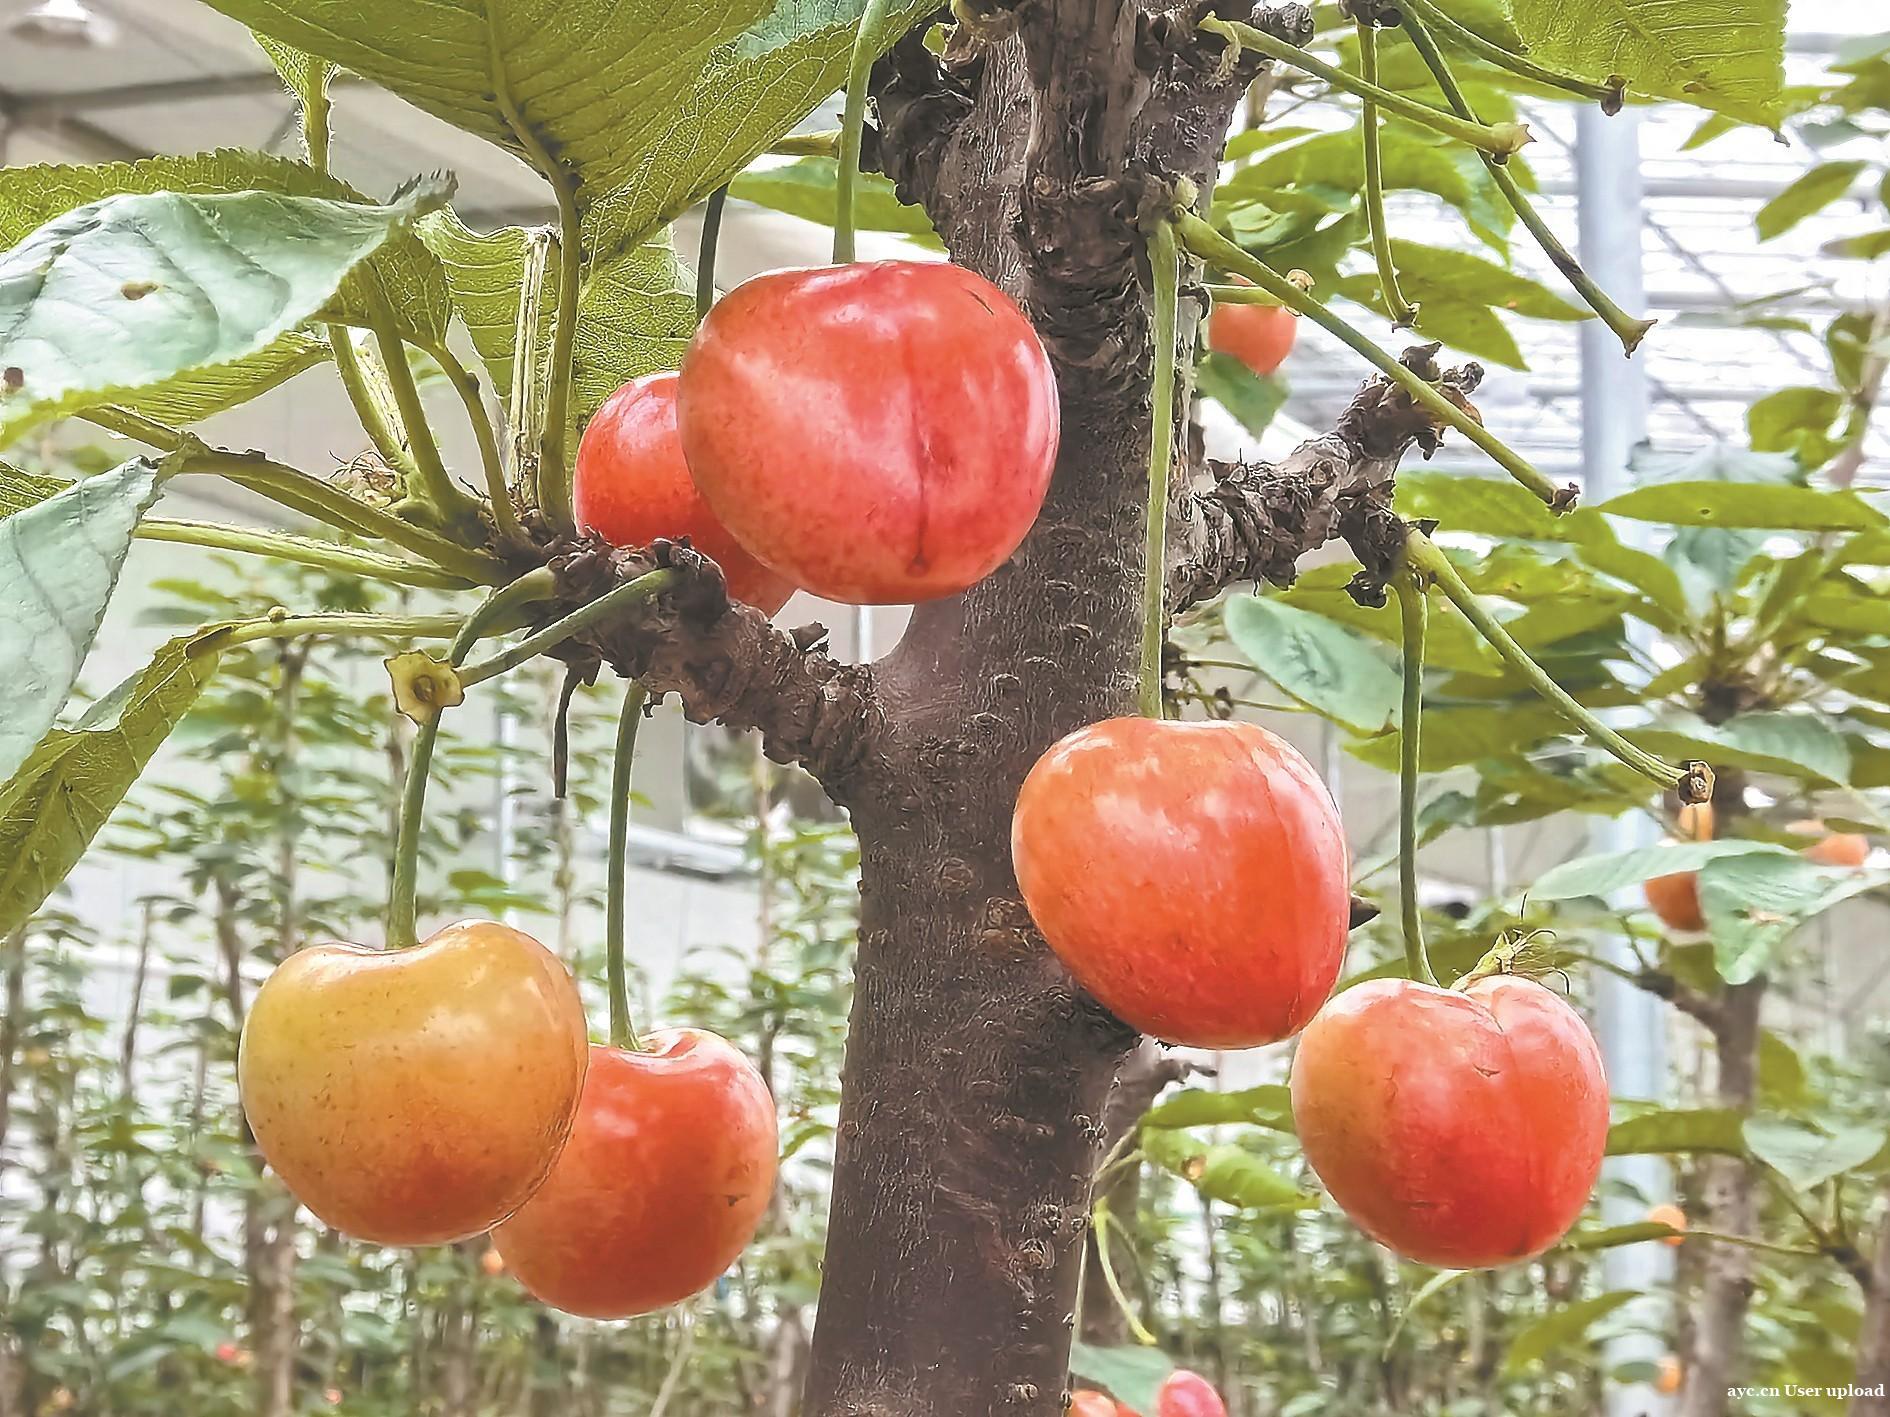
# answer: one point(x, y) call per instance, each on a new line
point(1462, 1129)
point(416, 1096)
point(669, 1169)
point(1186, 1394)
point(1676, 900)
point(1834, 848)
point(1671, 1216)
point(492, 1263)
point(1259, 336)
point(878, 433)
point(1191, 876)
point(1669, 1375)
point(632, 486)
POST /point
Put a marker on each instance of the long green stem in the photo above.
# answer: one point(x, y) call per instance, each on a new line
point(1423, 555)
point(466, 385)
point(1499, 140)
point(1403, 313)
point(1165, 263)
point(365, 383)
point(852, 125)
point(630, 593)
point(1100, 1221)
point(434, 483)
point(316, 107)
point(525, 409)
point(401, 902)
point(622, 1034)
point(705, 253)
point(302, 550)
point(1210, 245)
point(1412, 609)
point(1608, 95)
point(291, 627)
point(1626, 328)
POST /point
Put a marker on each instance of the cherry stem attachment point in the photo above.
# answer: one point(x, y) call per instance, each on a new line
point(1207, 243)
point(1403, 313)
point(853, 124)
point(622, 1034)
point(401, 909)
point(705, 253)
point(1165, 265)
point(1499, 140)
point(1413, 610)
point(624, 596)
point(1692, 780)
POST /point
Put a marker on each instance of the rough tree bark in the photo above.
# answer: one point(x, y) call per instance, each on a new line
point(977, 1076)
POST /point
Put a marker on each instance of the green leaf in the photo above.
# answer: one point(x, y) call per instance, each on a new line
point(1269, 1105)
point(1333, 670)
point(1603, 874)
point(1564, 1327)
point(59, 561)
point(1808, 1156)
point(1757, 506)
point(1753, 905)
point(1725, 55)
point(20, 490)
point(1453, 737)
point(1810, 194)
point(1798, 421)
point(1678, 1131)
point(71, 782)
point(1132, 1375)
point(1800, 745)
point(1252, 399)
point(1225, 1173)
point(806, 189)
point(171, 283)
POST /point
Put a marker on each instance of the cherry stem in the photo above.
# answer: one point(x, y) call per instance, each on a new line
point(629, 593)
point(401, 907)
point(1403, 313)
point(1100, 1221)
point(1414, 612)
point(1204, 241)
point(705, 253)
point(853, 124)
point(1694, 781)
point(1626, 328)
point(622, 1034)
point(1165, 264)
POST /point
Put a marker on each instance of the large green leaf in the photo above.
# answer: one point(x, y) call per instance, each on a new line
point(1225, 1173)
point(20, 490)
point(1754, 904)
point(806, 189)
point(1808, 1156)
point(1604, 874)
point(1270, 1105)
point(1253, 400)
point(1678, 1131)
point(1800, 745)
point(1756, 506)
point(1334, 670)
point(171, 283)
point(1562, 1328)
point(1132, 1375)
point(1726, 55)
point(59, 561)
point(1810, 194)
point(75, 777)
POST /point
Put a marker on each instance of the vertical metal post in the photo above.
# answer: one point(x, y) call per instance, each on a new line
point(1630, 1022)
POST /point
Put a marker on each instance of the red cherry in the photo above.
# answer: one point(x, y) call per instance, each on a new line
point(1087, 1402)
point(632, 486)
point(1676, 900)
point(1259, 336)
point(1186, 1394)
point(1192, 876)
point(878, 433)
point(1460, 1129)
point(669, 1169)
point(227, 1352)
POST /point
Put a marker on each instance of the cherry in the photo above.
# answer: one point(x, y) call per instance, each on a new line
point(1259, 336)
point(1186, 1394)
point(1087, 1402)
point(1191, 876)
point(877, 433)
point(632, 485)
point(668, 1172)
point(1673, 1218)
point(1834, 848)
point(1460, 1129)
point(418, 1096)
point(1676, 900)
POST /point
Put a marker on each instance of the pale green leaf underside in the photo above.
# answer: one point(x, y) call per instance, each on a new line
point(75, 777)
point(131, 292)
point(1726, 55)
point(59, 561)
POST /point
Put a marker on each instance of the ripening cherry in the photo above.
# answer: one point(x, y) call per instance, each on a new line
point(1843, 849)
point(416, 1096)
point(1186, 1394)
point(1462, 1129)
point(878, 433)
point(1259, 336)
point(631, 485)
point(669, 1169)
point(1676, 900)
point(1087, 1402)
point(1191, 876)
point(1673, 1218)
